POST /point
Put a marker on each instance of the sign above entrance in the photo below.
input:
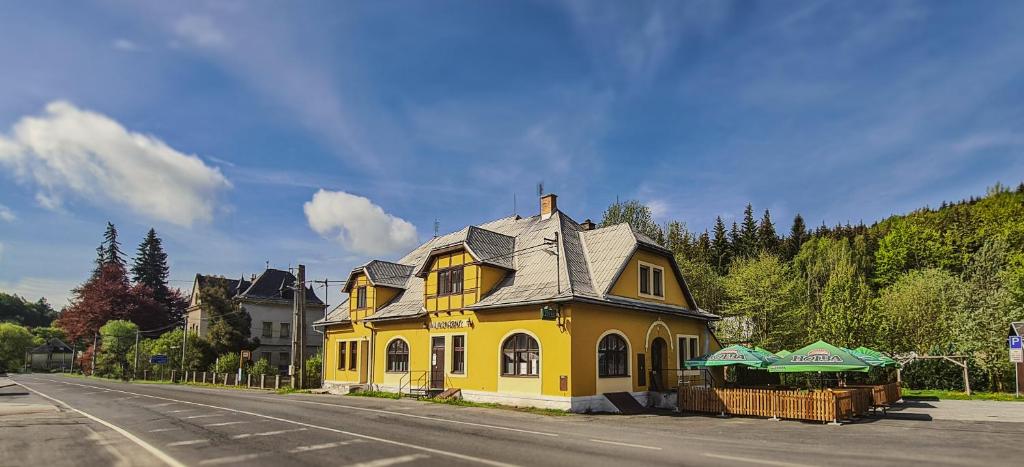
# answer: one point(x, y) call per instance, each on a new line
point(454, 324)
point(548, 313)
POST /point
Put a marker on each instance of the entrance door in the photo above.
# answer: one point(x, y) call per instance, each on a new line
point(437, 363)
point(658, 364)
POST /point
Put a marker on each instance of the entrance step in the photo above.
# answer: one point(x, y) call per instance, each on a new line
point(450, 393)
point(625, 402)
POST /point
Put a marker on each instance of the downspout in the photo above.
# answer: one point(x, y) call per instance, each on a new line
point(369, 359)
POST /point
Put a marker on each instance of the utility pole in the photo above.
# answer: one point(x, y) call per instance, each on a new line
point(135, 369)
point(95, 340)
point(184, 341)
point(299, 329)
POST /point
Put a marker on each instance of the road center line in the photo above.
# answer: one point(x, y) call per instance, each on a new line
point(161, 430)
point(135, 439)
point(390, 461)
point(231, 459)
point(266, 433)
point(422, 417)
point(317, 447)
point(188, 443)
point(203, 416)
point(754, 461)
point(440, 452)
point(225, 423)
point(628, 445)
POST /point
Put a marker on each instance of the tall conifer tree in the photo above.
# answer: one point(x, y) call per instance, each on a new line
point(150, 267)
point(112, 253)
point(797, 237)
point(720, 248)
point(767, 238)
point(747, 244)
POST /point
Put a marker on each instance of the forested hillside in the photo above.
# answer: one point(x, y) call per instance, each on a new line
point(939, 281)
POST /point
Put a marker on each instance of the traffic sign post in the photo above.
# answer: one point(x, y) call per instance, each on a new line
point(1017, 357)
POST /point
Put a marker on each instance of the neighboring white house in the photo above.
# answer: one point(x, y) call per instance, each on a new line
point(268, 298)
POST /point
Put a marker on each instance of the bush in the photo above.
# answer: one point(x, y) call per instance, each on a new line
point(227, 363)
point(262, 367)
point(14, 342)
point(313, 366)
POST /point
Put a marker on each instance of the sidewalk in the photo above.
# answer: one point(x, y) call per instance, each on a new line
point(981, 411)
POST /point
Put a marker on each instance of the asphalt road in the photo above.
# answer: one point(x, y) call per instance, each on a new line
point(111, 423)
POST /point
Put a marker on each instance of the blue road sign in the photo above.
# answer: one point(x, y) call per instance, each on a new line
point(1015, 342)
point(159, 359)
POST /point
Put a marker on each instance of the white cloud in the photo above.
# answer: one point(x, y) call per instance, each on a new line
point(126, 45)
point(199, 31)
point(6, 214)
point(76, 151)
point(360, 226)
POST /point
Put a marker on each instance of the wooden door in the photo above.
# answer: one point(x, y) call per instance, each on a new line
point(437, 363)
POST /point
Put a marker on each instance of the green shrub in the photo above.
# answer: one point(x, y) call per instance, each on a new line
point(227, 363)
point(313, 366)
point(262, 367)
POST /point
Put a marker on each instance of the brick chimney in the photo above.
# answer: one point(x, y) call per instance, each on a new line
point(588, 225)
point(548, 205)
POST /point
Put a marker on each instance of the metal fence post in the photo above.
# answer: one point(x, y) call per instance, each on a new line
point(277, 382)
point(263, 381)
point(249, 381)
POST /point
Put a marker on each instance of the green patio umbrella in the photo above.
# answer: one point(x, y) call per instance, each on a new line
point(869, 359)
point(782, 353)
point(819, 357)
point(740, 355)
point(697, 363)
point(886, 360)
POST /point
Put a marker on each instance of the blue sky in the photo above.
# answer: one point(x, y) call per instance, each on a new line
point(219, 123)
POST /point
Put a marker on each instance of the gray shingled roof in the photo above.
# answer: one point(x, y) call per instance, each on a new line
point(587, 264)
point(339, 314)
point(275, 284)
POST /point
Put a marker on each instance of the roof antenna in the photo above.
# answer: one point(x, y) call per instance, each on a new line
point(268, 264)
point(515, 210)
point(437, 227)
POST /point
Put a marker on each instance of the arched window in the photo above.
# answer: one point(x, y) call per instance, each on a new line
point(398, 356)
point(612, 356)
point(520, 356)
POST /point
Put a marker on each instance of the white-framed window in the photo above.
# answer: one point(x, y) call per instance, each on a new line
point(688, 348)
point(651, 281)
point(458, 354)
point(268, 329)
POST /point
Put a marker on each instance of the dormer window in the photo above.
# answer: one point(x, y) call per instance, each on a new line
point(360, 297)
point(652, 281)
point(449, 281)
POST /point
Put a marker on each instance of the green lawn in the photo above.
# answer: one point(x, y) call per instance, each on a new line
point(959, 395)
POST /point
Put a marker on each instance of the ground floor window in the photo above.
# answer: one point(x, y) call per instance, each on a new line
point(283, 361)
point(398, 356)
point(341, 355)
point(612, 356)
point(520, 356)
point(353, 354)
point(458, 354)
point(688, 349)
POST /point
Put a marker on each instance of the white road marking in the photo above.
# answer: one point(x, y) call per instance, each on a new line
point(165, 404)
point(439, 452)
point(135, 439)
point(754, 461)
point(628, 445)
point(182, 410)
point(391, 461)
point(317, 447)
point(188, 443)
point(231, 459)
point(225, 423)
point(161, 430)
point(266, 433)
point(203, 416)
point(422, 417)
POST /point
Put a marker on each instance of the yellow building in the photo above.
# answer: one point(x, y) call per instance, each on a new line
point(539, 311)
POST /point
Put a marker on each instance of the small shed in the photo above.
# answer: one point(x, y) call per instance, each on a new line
point(52, 355)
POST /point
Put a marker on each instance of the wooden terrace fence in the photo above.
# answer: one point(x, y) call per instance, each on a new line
point(825, 406)
point(882, 395)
